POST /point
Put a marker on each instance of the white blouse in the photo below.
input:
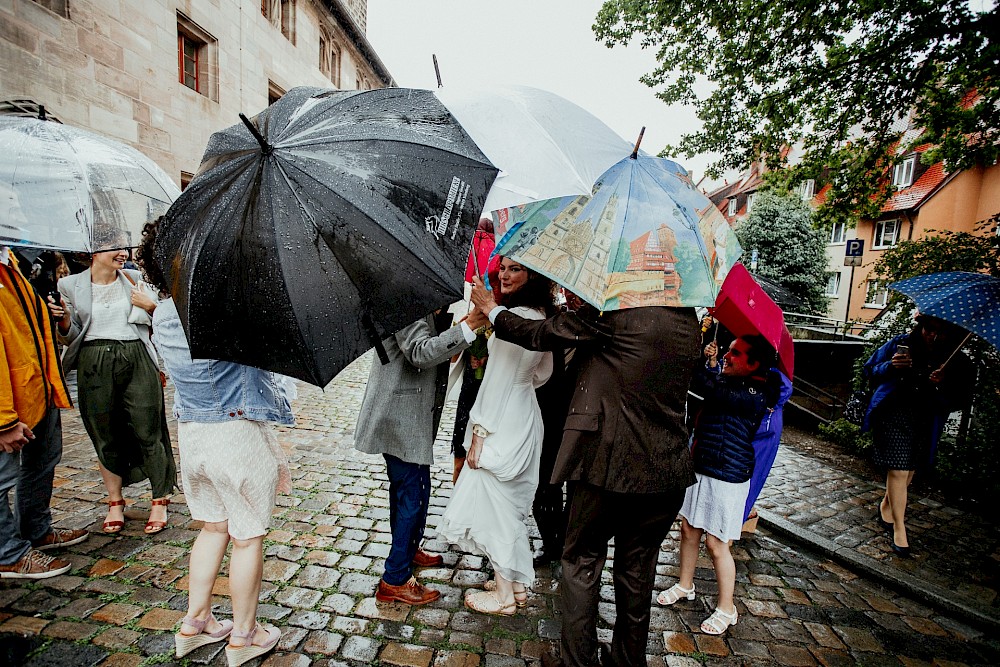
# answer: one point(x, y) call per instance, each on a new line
point(109, 313)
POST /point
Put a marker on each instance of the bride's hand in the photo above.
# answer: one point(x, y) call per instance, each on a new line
point(475, 451)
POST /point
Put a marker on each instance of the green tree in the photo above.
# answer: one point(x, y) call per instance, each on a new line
point(836, 77)
point(791, 251)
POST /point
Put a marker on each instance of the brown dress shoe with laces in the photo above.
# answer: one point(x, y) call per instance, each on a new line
point(58, 537)
point(412, 592)
point(425, 559)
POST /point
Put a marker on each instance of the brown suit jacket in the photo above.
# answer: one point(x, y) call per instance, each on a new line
point(625, 429)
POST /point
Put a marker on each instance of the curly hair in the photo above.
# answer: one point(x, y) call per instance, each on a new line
point(537, 292)
point(145, 256)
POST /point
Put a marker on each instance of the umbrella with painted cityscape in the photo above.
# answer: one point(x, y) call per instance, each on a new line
point(645, 237)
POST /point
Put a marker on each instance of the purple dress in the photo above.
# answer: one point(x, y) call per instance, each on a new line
point(765, 443)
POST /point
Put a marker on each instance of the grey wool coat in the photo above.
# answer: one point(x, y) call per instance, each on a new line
point(402, 405)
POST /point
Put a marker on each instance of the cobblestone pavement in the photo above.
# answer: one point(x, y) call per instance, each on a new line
point(956, 555)
point(124, 595)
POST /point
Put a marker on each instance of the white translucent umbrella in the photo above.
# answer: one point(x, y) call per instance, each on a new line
point(544, 145)
point(65, 188)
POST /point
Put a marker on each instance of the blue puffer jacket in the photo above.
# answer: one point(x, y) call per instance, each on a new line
point(729, 418)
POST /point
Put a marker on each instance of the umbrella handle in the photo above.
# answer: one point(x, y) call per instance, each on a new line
point(960, 346)
point(374, 338)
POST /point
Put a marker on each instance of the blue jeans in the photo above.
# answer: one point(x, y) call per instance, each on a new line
point(31, 471)
point(409, 496)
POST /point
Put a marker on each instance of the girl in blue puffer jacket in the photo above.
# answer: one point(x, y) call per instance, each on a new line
point(735, 400)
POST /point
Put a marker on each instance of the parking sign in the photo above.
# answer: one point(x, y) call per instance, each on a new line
point(853, 253)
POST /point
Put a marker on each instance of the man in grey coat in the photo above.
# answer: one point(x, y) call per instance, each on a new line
point(399, 418)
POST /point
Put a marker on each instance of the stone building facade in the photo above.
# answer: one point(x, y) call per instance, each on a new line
point(163, 75)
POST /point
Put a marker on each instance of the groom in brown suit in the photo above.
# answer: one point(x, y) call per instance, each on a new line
point(624, 453)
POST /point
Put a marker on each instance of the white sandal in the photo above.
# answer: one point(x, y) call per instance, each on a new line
point(719, 621)
point(487, 602)
point(673, 594)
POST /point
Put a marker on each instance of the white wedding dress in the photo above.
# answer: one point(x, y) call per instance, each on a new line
point(489, 505)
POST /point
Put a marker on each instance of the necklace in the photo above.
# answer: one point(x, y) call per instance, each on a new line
point(107, 295)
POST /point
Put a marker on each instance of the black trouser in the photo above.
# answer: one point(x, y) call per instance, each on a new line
point(638, 522)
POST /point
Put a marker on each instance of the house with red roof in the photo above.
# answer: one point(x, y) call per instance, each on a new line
point(926, 199)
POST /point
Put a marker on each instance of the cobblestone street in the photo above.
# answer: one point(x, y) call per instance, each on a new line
point(122, 600)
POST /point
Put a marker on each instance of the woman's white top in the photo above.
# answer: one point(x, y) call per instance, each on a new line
point(109, 313)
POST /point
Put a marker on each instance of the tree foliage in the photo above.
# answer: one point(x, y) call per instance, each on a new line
point(836, 77)
point(791, 251)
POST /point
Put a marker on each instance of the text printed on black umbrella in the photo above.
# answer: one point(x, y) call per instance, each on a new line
point(457, 194)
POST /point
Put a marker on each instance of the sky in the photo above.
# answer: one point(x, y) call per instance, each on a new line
point(546, 44)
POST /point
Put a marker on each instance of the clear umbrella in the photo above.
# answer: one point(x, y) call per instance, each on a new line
point(68, 189)
point(544, 145)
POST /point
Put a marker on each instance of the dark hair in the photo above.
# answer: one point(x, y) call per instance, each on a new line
point(145, 256)
point(759, 351)
point(537, 292)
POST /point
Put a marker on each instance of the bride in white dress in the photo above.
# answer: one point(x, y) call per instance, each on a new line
point(492, 498)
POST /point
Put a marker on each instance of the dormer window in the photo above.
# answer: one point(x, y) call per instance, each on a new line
point(750, 198)
point(902, 175)
point(732, 207)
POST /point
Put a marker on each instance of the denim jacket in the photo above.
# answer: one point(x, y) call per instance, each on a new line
point(214, 391)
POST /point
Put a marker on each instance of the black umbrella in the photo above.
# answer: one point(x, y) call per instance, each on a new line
point(332, 219)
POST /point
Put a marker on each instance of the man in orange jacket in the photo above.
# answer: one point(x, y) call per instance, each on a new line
point(31, 392)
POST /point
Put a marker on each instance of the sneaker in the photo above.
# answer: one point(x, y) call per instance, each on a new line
point(35, 565)
point(58, 538)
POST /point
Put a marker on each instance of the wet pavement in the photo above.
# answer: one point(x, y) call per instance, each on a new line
point(125, 594)
point(955, 555)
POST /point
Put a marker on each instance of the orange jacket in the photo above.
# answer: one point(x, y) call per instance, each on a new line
point(31, 379)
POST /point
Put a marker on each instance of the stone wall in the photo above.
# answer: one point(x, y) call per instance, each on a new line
point(112, 66)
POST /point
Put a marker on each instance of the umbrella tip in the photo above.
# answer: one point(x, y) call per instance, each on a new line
point(265, 147)
point(41, 112)
point(635, 151)
point(437, 70)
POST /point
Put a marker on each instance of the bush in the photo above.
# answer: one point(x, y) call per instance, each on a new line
point(844, 433)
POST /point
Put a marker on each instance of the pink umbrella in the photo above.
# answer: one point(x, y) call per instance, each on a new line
point(745, 309)
point(483, 244)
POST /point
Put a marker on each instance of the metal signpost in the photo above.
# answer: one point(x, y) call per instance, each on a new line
point(852, 258)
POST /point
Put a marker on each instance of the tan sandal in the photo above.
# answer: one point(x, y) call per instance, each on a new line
point(154, 527)
point(112, 527)
point(520, 596)
point(487, 602)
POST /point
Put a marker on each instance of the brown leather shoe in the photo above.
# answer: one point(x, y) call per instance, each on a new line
point(425, 559)
point(35, 565)
point(59, 537)
point(412, 592)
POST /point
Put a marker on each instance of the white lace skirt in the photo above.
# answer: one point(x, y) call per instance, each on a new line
point(716, 506)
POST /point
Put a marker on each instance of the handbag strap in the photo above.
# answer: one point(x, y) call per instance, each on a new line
point(128, 278)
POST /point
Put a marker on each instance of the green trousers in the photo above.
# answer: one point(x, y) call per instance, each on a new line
point(121, 405)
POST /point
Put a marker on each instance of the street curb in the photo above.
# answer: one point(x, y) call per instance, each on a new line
point(931, 594)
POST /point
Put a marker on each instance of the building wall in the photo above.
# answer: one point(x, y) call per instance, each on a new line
point(967, 198)
point(112, 66)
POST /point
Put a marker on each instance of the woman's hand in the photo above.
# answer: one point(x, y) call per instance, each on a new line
point(937, 375)
point(60, 313)
point(475, 451)
point(139, 298)
point(901, 360)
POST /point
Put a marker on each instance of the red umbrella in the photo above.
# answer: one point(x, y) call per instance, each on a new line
point(483, 244)
point(745, 309)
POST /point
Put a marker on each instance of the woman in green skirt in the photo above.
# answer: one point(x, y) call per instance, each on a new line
point(118, 380)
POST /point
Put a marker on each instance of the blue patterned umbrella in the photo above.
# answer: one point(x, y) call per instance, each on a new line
point(970, 300)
